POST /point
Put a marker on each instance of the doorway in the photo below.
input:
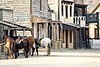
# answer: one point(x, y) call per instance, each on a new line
point(66, 38)
point(5, 32)
point(11, 33)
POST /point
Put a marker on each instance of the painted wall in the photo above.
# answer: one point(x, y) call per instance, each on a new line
point(92, 26)
point(92, 30)
point(69, 19)
point(53, 4)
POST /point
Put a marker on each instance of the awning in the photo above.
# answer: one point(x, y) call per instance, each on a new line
point(70, 26)
point(81, 5)
point(7, 24)
point(69, 1)
point(13, 25)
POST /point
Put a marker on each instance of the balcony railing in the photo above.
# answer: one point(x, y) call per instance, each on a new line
point(80, 20)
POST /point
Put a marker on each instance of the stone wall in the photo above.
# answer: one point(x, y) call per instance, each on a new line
point(40, 11)
point(21, 9)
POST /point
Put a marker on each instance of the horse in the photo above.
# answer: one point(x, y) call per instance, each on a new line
point(35, 44)
point(9, 46)
point(12, 46)
point(46, 42)
point(32, 45)
point(21, 44)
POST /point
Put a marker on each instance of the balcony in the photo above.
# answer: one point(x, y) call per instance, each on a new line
point(80, 21)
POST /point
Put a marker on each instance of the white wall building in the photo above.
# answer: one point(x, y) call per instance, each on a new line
point(64, 11)
point(93, 26)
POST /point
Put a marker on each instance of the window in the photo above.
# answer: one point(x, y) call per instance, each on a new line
point(66, 11)
point(70, 11)
point(40, 5)
point(62, 10)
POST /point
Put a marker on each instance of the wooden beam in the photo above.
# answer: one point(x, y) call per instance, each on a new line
point(98, 6)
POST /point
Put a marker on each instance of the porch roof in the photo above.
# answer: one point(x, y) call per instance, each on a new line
point(81, 5)
point(13, 25)
point(70, 26)
point(7, 24)
point(69, 1)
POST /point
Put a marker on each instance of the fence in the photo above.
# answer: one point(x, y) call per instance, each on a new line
point(95, 43)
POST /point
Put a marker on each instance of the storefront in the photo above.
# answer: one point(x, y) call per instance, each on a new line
point(46, 28)
point(70, 36)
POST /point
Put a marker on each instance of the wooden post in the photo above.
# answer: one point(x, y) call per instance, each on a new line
point(98, 30)
point(23, 32)
point(56, 46)
point(32, 32)
point(15, 32)
point(54, 40)
point(52, 34)
point(47, 29)
point(61, 36)
point(31, 17)
point(0, 51)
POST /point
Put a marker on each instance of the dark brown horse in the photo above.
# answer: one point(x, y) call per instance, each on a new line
point(21, 44)
point(27, 43)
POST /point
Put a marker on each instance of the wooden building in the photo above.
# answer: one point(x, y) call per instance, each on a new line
point(48, 28)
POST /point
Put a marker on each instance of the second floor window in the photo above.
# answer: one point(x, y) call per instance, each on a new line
point(40, 5)
point(66, 11)
point(62, 10)
point(70, 11)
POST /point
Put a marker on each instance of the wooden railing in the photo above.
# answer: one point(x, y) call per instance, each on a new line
point(80, 20)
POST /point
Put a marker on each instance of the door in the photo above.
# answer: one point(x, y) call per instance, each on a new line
point(66, 38)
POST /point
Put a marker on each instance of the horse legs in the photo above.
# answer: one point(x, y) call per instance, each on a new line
point(15, 54)
point(18, 53)
point(7, 51)
point(48, 50)
point(33, 49)
point(37, 50)
point(30, 51)
point(26, 53)
point(11, 55)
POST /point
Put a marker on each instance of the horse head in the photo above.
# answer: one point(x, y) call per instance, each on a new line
point(46, 43)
